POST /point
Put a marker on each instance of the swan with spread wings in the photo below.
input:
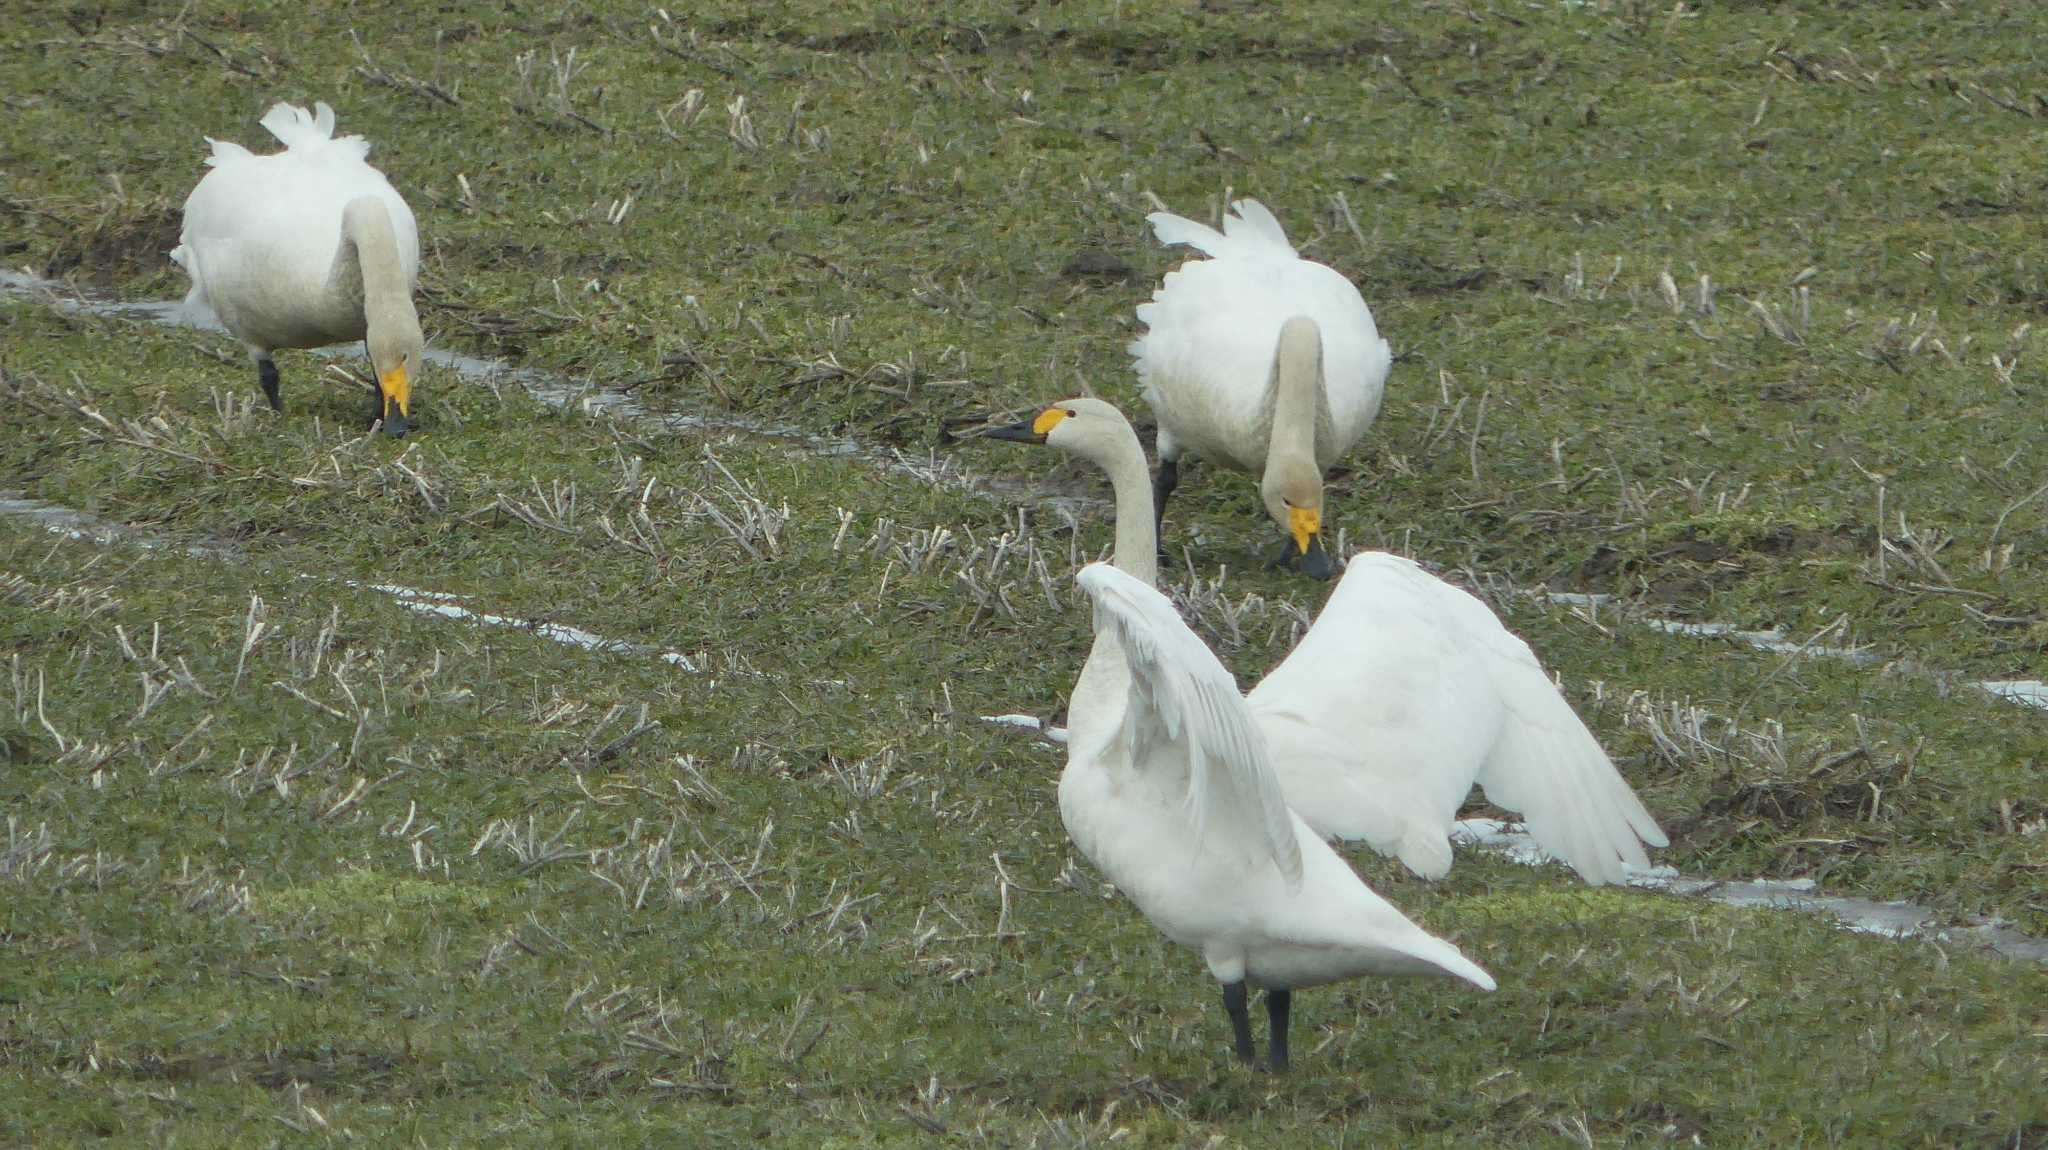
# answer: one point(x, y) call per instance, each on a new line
point(1404, 694)
point(1169, 791)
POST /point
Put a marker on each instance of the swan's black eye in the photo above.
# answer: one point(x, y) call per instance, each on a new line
point(1071, 412)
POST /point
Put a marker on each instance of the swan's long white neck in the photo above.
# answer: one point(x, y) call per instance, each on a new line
point(368, 235)
point(1137, 537)
point(1096, 707)
point(1297, 398)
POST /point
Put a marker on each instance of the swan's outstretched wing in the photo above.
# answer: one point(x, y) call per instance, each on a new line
point(1548, 767)
point(1179, 691)
point(1405, 693)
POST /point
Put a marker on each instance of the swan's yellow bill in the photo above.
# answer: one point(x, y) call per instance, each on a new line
point(1304, 524)
point(397, 388)
point(1047, 420)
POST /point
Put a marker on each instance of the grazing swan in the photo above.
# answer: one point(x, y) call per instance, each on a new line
point(1260, 361)
point(1169, 791)
point(307, 247)
point(1404, 693)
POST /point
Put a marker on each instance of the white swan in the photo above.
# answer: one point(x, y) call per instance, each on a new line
point(1404, 693)
point(307, 247)
point(1169, 787)
point(1260, 361)
point(1169, 791)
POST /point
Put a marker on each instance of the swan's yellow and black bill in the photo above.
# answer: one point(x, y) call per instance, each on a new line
point(1307, 555)
point(1315, 562)
point(1304, 524)
point(394, 400)
point(1030, 430)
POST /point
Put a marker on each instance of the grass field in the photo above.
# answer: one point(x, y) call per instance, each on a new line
point(1721, 310)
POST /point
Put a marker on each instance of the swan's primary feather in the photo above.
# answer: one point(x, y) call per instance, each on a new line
point(1405, 693)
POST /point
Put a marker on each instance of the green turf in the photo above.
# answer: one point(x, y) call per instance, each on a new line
point(393, 879)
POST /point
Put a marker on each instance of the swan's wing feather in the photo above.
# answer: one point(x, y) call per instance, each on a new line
point(1178, 684)
point(1377, 733)
point(1406, 692)
point(1551, 769)
point(1252, 226)
point(1545, 764)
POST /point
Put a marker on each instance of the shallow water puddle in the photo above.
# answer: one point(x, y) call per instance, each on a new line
point(1890, 919)
point(448, 606)
point(1031, 723)
point(557, 391)
point(1895, 919)
point(2027, 692)
point(545, 387)
point(78, 525)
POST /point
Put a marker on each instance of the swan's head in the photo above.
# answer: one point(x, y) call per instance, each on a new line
point(1080, 426)
point(1292, 485)
point(1294, 501)
point(397, 349)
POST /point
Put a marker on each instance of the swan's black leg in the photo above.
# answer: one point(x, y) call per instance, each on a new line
point(1277, 1004)
point(1234, 1001)
point(1163, 484)
point(266, 374)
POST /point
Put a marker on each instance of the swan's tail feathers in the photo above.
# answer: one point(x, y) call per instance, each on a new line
point(182, 256)
point(226, 152)
point(1254, 227)
point(295, 127)
point(299, 131)
point(1248, 230)
point(1450, 960)
point(1178, 231)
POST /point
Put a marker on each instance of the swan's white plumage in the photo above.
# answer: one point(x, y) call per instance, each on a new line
point(262, 237)
point(1206, 358)
point(1405, 693)
point(1181, 696)
point(1169, 790)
